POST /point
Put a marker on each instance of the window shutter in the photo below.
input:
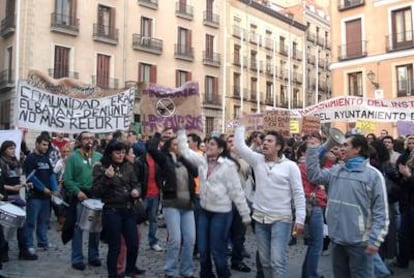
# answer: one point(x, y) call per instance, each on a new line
point(140, 72)
point(215, 89)
point(189, 76)
point(112, 22)
point(153, 74)
point(73, 10)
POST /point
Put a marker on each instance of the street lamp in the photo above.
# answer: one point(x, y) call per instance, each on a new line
point(371, 77)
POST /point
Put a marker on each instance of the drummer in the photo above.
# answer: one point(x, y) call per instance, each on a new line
point(77, 180)
point(38, 199)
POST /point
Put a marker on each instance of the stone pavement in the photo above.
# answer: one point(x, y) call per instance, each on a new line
point(55, 263)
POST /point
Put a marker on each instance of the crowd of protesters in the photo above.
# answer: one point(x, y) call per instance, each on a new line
point(359, 193)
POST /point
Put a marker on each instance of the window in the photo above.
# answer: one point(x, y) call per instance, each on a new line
point(283, 95)
point(269, 89)
point(209, 125)
point(102, 70)
point(9, 60)
point(106, 20)
point(147, 73)
point(253, 89)
point(402, 28)
point(211, 90)
point(209, 46)
point(405, 84)
point(184, 41)
point(253, 61)
point(65, 12)
point(282, 48)
point(355, 84)
point(236, 111)
point(10, 7)
point(61, 64)
point(236, 54)
point(296, 98)
point(353, 39)
point(146, 27)
point(5, 114)
point(181, 77)
point(209, 9)
point(236, 84)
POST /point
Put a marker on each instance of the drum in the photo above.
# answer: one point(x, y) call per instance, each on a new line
point(91, 216)
point(11, 216)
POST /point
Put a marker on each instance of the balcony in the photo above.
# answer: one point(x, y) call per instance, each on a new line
point(105, 83)
point(146, 44)
point(60, 73)
point(238, 32)
point(310, 36)
point(406, 88)
point(297, 78)
point(349, 4)
point(6, 80)
point(297, 55)
point(254, 38)
point(211, 59)
point(212, 99)
point(269, 69)
point(211, 19)
point(311, 59)
point(352, 50)
point(184, 52)
point(253, 64)
point(7, 26)
point(236, 91)
point(184, 11)
point(321, 63)
point(283, 50)
point(152, 4)
point(400, 41)
point(105, 34)
point(64, 24)
point(269, 43)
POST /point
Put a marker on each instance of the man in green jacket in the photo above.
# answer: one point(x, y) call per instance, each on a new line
point(78, 182)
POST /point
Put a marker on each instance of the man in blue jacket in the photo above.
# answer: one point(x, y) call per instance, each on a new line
point(357, 212)
point(38, 204)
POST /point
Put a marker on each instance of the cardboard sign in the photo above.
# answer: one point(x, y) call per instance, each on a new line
point(365, 127)
point(171, 106)
point(405, 128)
point(254, 122)
point(310, 124)
point(278, 120)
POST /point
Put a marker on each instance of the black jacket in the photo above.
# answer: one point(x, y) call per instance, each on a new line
point(166, 163)
point(141, 169)
point(406, 184)
point(116, 191)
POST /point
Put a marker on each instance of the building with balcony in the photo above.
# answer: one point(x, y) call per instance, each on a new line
point(373, 53)
point(265, 58)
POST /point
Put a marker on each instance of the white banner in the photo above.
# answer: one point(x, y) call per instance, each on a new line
point(350, 108)
point(38, 109)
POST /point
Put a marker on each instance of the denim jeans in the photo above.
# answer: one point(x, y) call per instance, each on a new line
point(181, 238)
point(272, 243)
point(237, 236)
point(352, 261)
point(117, 222)
point(151, 207)
point(315, 243)
point(37, 215)
point(93, 244)
point(213, 230)
point(380, 268)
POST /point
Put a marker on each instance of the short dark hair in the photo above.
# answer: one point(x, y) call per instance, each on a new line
point(113, 145)
point(389, 137)
point(195, 138)
point(5, 145)
point(279, 140)
point(43, 137)
point(359, 141)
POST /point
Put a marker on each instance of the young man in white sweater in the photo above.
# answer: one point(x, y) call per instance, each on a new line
point(278, 182)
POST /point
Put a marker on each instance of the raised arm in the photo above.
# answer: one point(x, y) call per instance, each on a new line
point(185, 150)
point(242, 149)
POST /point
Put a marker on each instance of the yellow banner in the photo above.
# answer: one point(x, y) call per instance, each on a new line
point(365, 127)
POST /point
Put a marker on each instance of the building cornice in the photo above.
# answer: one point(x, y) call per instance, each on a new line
point(372, 59)
point(274, 14)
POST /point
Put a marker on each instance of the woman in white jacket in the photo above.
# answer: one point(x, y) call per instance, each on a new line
point(219, 187)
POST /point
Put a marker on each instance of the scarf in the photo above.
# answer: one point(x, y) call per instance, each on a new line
point(354, 162)
point(10, 161)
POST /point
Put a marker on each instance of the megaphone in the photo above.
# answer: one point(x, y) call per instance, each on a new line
point(336, 138)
